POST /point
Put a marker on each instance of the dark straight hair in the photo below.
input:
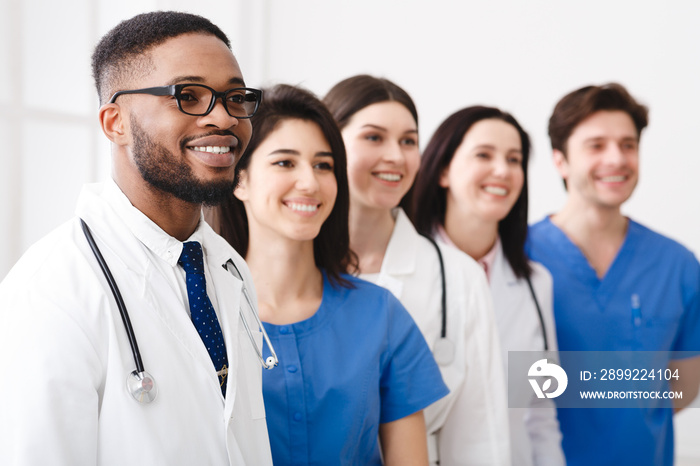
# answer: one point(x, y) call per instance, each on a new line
point(332, 245)
point(353, 94)
point(430, 199)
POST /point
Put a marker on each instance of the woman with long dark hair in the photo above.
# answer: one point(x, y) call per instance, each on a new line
point(354, 370)
point(471, 192)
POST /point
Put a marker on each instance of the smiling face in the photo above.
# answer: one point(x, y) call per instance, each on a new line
point(189, 157)
point(601, 166)
point(383, 157)
point(289, 188)
point(485, 176)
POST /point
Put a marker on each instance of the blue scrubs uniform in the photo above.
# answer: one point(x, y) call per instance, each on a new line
point(357, 362)
point(649, 300)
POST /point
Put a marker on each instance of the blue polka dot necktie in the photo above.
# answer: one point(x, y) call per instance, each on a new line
point(201, 310)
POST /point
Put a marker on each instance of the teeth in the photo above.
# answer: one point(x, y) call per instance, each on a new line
point(613, 179)
point(496, 190)
point(388, 176)
point(303, 207)
point(213, 149)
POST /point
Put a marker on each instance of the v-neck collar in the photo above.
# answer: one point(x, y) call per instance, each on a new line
point(400, 255)
point(572, 255)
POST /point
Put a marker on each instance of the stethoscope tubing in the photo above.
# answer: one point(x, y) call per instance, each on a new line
point(443, 328)
point(117, 296)
point(139, 382)
point(272, 360)
point(539, 312)
point(443, 298)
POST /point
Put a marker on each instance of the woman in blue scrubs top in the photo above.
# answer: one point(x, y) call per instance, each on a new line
point(355, 372)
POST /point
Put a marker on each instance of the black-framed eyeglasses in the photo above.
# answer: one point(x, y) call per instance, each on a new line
point(199, 100)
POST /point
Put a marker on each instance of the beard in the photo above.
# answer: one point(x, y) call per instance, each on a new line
point(168, 172)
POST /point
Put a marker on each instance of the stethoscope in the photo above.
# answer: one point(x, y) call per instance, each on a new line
point(444, 349)
point(140, 384)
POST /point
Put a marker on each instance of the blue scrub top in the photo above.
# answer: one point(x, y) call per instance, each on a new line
point(357, 362)
point(595, 314)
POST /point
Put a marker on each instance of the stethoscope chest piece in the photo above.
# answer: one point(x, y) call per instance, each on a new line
point(141, 386)
point(444, 351)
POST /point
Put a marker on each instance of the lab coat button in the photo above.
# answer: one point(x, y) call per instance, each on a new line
point(292, 369)
point(297, 417)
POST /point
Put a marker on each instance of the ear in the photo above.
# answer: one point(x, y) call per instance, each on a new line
point(241, 191)
point(444, 180)
point(561, 163)
point(112, 121)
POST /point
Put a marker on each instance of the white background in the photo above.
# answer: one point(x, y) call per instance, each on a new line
point(520, 56)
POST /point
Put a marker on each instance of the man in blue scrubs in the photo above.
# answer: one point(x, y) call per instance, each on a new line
point(618, 286)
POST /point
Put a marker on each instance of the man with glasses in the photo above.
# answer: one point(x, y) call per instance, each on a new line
point(176, 110)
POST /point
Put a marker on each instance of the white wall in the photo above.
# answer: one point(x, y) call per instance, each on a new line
point(520, 56)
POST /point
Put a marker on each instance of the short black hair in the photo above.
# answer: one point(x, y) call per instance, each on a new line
point(121, 53)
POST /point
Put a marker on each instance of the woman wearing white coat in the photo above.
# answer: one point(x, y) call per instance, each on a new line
point(471, 192)
point(379, 124)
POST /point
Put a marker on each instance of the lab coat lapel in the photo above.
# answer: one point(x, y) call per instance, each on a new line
point(122, 250)
point(229, 298)
point(111, 237)
point(503, 283)
point(400, 257)
point(143, 288)
point(175, 317)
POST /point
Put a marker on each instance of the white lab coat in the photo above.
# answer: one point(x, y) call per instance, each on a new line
point(535, 436)
point(470, 425)
point(65, 356)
